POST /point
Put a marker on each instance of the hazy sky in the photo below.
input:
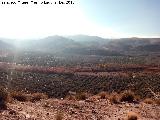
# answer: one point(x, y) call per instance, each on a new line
point(105, 18)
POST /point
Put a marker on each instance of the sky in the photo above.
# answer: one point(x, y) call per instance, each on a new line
point(104, 18)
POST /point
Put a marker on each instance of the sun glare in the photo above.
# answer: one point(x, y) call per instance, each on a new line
point(41, 21)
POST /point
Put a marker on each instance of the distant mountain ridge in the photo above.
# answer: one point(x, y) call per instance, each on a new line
point(86, 45)
point(5, 46)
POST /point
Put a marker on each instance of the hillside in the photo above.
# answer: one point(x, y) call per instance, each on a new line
point(58, 78)
point(88, 45)
point(89, 109)
point(5, 45)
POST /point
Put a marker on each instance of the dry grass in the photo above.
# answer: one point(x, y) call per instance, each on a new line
point(59, 116)
point(157, 101)
point(23, 97)
point(38, 96)
point(132, 116)
point(19, 96)
point(149, 101)
point(81, 96)
point(70, 97)
point(103, 95)
point(114, 98)
point(127, 96)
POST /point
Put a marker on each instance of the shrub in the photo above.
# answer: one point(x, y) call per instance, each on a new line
point(132, 116)
point(127, 96)
point(157, 101)
point(38, 96)
point(19, 96)
point(114, 98)
point(59, 116)
point(70, 97)
point(81, 96)
point(103, 95)
point(148, 101)
point(3, 98)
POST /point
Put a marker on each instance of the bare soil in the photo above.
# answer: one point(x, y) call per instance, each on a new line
point(89, 109)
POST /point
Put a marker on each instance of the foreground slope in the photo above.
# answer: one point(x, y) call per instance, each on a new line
point(92, 108)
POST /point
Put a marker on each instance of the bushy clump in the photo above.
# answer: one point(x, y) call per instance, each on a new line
point(59, 116)
point(148, 101)
point(114, 98)
point(127, 96)
point(157, 101)
point(103, 95)
point(81, 96)
point(132, 116)
point(3, 98)
point(18, 96)
point(38, 96)
point(70, 97)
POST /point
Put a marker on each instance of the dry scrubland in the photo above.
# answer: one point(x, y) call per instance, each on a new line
point(88, 89)
point(103, 106)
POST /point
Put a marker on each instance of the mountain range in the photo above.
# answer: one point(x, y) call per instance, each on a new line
point(85, 45)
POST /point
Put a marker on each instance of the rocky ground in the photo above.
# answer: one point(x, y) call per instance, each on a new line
point(89, 109)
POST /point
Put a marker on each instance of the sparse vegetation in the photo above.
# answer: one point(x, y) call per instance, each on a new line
point(114, 98)
point(81, 96)
point(70, 97)
point(121, 77)
point(127, 96)
point(3, 98)
point(103, 95)
point(57, 85)
point(38, 96)
point(149, 101)
point(157, 101)
point(20, 96)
